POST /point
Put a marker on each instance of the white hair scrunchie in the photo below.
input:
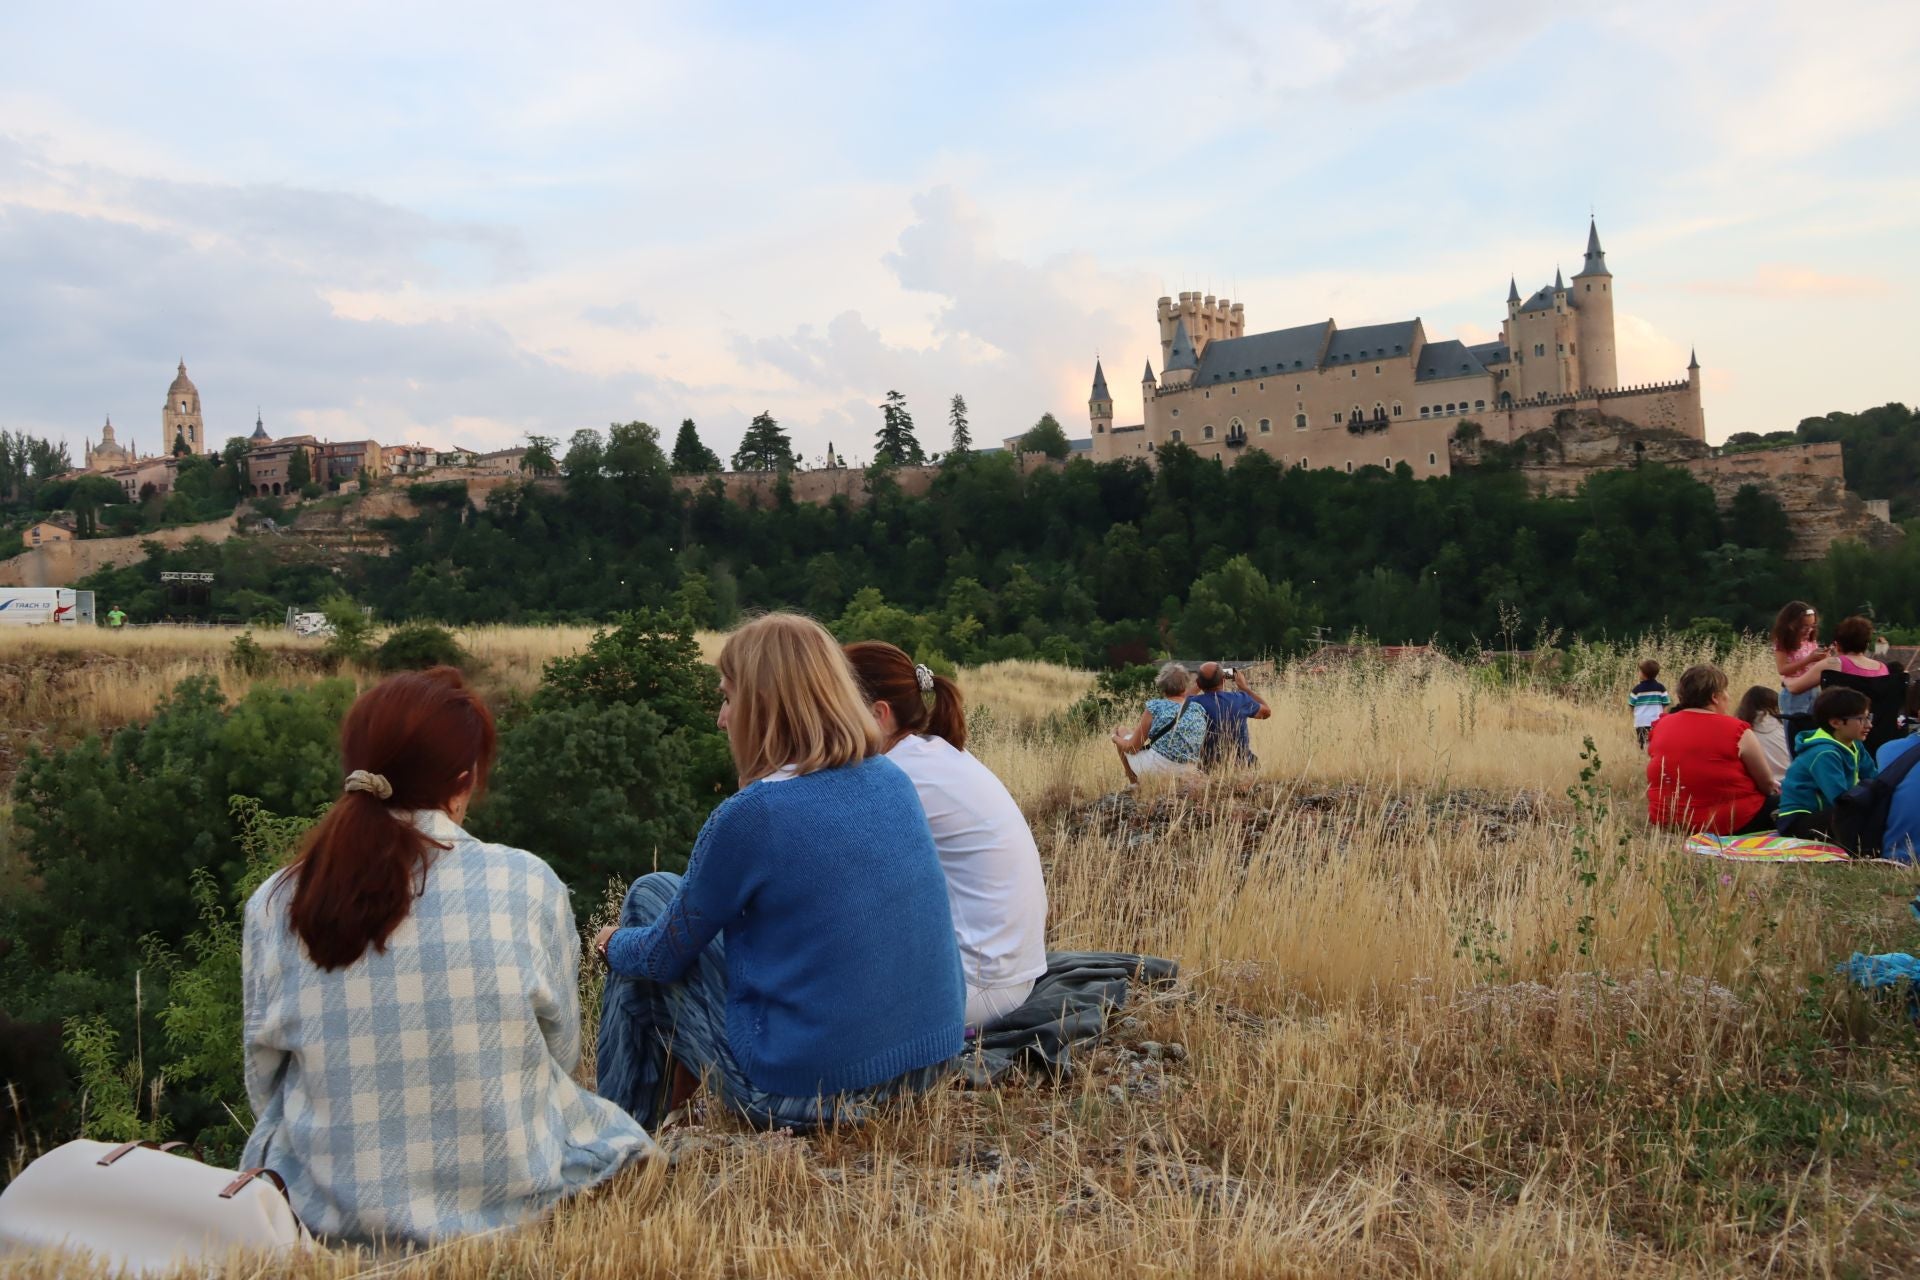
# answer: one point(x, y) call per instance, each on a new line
point(371, 783)
point(924, 674)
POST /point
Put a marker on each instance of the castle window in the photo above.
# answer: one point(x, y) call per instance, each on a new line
point(1479, 404)
point(1299, 422)
point(1263, 386)
point(1573, 348)
point(1376, 371)
point(1452, 407)
point(1353, 373)
point(1432, 460)
point(1236, 391)
point(1208, 394)
point(1206, 432)
point(1266, 425)
point(1379, 411)
point(1349, 466)
point(1559, 348)
point(1396, 408)
point(1387, 463)
point(1539, 348)
point(1176, 435)
point(1099, 428)
point(1176, 413)
point(1336, 417)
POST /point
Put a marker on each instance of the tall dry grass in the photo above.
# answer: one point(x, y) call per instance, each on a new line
point(1436, 1019)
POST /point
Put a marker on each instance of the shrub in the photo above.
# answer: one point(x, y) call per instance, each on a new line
point(246, 654)
point(349, 627)
point(415, 646)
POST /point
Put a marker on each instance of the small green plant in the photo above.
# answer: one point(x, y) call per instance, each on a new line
point(112, 1089)
point(415, 646)
point(247, 654)
point(351, 629)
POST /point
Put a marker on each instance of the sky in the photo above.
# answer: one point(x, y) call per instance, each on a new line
point(461, 224)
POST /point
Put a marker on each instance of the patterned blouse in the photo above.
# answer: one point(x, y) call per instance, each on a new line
point(426, 1090)
point(1180, 744)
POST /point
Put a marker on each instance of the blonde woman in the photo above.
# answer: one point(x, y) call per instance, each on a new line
point(805, 965)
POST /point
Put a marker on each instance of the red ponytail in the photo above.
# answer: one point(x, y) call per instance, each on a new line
point(886, 674)
point(356, 875)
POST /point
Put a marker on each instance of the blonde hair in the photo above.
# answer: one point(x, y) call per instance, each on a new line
point(794, 699)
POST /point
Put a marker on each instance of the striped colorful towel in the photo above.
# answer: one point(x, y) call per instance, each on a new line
point(1765, 847)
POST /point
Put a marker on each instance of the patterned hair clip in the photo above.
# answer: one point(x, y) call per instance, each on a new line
point(924, 675)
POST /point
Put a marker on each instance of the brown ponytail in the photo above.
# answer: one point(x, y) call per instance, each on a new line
point(428, 737)
point(886, 674)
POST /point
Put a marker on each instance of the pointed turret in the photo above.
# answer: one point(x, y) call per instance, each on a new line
point(1693, 361)
point(1596, 263)
point(1559, 281)
point(1513, 290)
point(1147, 377)
point(1100, 382)
point(1181, 356)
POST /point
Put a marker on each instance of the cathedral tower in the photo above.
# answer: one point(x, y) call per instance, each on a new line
point(180, 416)
point(1593, 317)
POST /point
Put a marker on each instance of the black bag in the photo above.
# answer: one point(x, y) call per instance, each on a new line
point(1860, 814)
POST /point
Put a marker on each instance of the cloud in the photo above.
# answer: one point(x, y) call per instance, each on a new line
point(630, 316)
point(1779, 280)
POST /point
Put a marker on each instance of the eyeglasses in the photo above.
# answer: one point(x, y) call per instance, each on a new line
point(1867, 716)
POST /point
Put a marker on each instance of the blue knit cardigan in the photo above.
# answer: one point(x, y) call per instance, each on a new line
point(842, 967)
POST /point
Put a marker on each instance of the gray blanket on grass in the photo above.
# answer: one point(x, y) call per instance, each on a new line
point(1070, 1005)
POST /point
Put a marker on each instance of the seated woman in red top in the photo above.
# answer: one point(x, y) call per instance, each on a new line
point(1706, 771)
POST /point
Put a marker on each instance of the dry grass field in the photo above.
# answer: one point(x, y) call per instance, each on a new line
point(1438, 1017)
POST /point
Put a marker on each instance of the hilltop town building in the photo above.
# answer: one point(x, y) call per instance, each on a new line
point(1318, 395)
point(180, 422)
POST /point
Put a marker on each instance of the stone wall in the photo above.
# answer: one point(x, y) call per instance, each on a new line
point(1670, 407)
point(64, 563)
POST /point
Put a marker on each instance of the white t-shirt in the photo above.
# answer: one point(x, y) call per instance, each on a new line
point(994, 886)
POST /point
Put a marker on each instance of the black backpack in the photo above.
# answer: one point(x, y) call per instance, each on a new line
point(1860, 814)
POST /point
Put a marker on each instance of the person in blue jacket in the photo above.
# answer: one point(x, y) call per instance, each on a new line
point(1901, 842)
point(1828, 761)
point(805, 966)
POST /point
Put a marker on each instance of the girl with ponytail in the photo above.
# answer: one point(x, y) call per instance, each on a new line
point(992, 865)
point(411, 1018)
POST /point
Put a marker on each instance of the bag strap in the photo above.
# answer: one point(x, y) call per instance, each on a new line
point(1177, 713)
point(1900, 768)
point(167, 1147)
point(233, 1188)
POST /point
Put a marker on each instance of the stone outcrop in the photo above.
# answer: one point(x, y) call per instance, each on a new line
point(1807, 480)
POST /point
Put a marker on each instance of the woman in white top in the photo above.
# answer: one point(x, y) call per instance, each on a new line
point(994, 885)
point(1761, 709)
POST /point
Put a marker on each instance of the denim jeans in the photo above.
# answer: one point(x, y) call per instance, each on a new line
point(642, 1022)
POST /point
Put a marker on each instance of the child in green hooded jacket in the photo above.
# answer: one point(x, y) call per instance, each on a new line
point(1829, 761)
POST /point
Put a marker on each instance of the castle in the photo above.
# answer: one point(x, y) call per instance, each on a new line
point(1318, 395)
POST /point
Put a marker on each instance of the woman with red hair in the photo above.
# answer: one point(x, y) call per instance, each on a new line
point(412, 1023)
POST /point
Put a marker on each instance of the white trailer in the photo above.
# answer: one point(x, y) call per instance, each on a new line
point(41, 606)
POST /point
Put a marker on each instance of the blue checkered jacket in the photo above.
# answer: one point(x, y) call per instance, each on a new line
point(427, 1090)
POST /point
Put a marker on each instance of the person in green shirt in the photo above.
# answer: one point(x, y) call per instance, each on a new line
point(116, 617)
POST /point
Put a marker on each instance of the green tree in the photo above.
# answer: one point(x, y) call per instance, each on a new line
point(690, 456)
point(88, 496)
point(895, 445)
point(539, 459)
point(299, 471)
point(765, 447)
point(603, 791)
point(1233, 611)
point(1046, 436)
point(962, 435)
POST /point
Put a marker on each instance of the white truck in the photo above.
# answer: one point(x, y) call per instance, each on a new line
point(41, 606)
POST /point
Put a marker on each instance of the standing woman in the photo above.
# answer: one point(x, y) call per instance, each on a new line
point(1799, 659)
point(411, 1018)
point(994, 886)
point(805, 965)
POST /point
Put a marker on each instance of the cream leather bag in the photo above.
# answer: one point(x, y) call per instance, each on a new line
point(138, 1207)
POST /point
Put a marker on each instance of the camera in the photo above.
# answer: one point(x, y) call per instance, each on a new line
point(1227, 672)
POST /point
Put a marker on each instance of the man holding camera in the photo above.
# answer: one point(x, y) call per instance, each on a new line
point(1228, 711)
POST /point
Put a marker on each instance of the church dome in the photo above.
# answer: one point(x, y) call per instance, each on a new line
point(181, 382)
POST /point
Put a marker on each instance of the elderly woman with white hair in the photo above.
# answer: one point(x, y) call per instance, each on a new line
point(1171, 732)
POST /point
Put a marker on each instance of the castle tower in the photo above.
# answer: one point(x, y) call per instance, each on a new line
point(1148, 388)
point(1182, 363)
point(1693, 369)
point(1100, 403)
point(180, 416)
point(1593, 317)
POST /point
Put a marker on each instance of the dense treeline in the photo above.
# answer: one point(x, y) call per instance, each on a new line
point(1092, 563)
point(119, 943)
